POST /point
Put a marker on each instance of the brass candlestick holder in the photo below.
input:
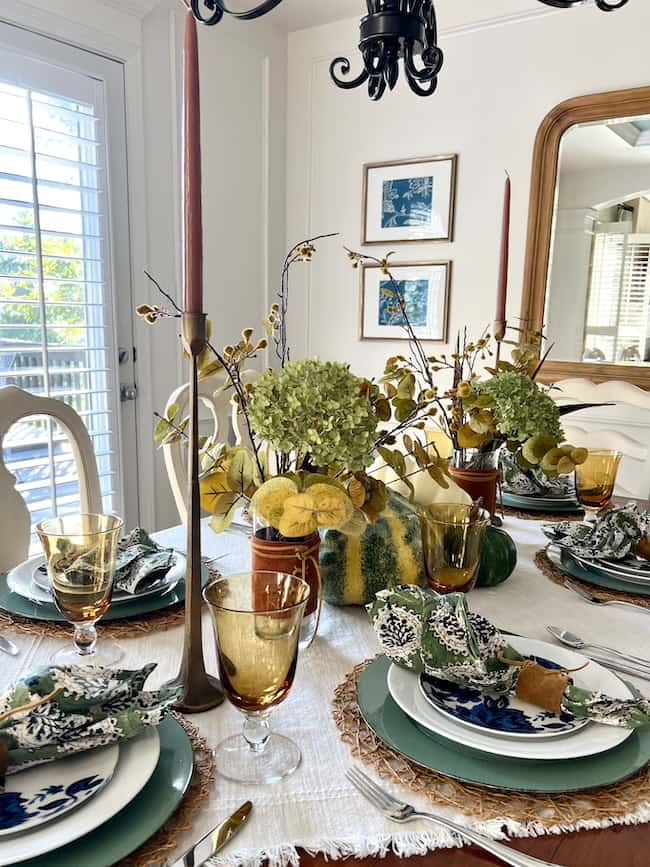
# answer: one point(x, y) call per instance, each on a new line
point(200, 691)
point(500, 328)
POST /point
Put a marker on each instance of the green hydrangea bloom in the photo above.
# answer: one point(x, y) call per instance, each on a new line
point(315, 407)
point(521, 408)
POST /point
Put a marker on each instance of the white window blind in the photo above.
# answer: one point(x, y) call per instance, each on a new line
point(57, 331)
point(618, 311)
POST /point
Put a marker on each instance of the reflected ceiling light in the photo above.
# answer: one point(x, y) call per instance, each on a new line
point(604, 5)
point(394, 31)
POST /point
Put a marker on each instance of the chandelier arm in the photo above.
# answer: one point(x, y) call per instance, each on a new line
point(418, 88)
point(428, 71)
point(213, 15)
point(375, 61)
point(607, 6)
point(376, 87)
point(217, 9)
point(346, 84)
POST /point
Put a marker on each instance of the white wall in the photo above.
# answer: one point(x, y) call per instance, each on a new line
point(502, 74)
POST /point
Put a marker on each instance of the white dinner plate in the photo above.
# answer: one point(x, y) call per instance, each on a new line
point(21, 580)
point(137, 761)
point(588, 741)
point(37, 795)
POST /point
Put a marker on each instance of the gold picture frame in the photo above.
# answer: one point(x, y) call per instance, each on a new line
point(431, 219)
point(435, 329)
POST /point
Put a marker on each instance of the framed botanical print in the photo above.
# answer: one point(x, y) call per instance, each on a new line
point(409, 200)
point(424, 286)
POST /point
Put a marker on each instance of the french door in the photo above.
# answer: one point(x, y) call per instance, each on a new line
point(65, 282)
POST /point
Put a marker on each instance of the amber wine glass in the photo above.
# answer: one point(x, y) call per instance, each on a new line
point(452, 535)
point(80, 557)
point(596, 479)
point(257, 618)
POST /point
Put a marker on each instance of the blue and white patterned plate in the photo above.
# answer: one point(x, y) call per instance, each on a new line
point(505, 715)
point(43, 793)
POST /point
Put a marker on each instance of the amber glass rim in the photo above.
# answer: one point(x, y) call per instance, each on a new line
point(484, 516)
point(41, 526)
point(223, 578)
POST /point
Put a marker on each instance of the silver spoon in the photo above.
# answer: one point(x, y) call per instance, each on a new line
point(8, 646)
point(571, 640)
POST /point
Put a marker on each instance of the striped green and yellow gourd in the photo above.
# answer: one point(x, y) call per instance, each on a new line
point(355, 568)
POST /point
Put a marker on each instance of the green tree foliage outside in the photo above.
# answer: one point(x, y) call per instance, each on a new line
point(14, 292)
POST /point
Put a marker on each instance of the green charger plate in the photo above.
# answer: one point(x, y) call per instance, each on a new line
point(595, 576)
point(140, 819)
point(14, 603)
point(539, 504)
point(398, 731)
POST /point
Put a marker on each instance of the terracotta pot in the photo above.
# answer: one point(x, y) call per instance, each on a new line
point(294, 558)
point(478, 483)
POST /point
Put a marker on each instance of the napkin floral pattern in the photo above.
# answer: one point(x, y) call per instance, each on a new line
point(531, 482)
point(140, 562)
point(70, 709)
point(438, 635)
point(613, 536)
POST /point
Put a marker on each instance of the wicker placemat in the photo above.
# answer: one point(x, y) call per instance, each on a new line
point(536, 813)
point(559, 577)
point(165, 840)
point(156, 621)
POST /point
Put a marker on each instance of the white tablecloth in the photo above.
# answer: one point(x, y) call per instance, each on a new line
point(316, 808)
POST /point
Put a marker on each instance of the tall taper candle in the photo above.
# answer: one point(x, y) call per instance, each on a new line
point(193, 277)
point(502, 294)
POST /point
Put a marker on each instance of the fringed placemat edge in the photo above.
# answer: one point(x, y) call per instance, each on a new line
point(518, 814)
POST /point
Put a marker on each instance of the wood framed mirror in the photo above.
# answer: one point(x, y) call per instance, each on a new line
point(587, 271)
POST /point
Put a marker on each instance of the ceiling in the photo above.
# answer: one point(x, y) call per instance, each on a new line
point(311, 13)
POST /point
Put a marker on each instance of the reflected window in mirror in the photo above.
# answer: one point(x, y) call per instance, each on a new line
point(598, 292)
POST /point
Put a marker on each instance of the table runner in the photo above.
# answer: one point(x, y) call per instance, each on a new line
point(317, 809)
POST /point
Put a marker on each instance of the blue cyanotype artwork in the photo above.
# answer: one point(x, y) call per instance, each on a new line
point(416, 297)
point(407, 202)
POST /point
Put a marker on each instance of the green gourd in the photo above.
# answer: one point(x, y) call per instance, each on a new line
point(355, 568)
point(498, 558)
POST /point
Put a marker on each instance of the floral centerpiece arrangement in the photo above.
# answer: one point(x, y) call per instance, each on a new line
point(482, 407)
point(312, 433)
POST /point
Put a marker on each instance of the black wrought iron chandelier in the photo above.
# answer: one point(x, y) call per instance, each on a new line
point(393, 32)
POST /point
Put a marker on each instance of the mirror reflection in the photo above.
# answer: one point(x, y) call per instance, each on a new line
point(598, 293)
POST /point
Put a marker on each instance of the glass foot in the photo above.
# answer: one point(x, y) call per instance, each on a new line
point(106, 653)
point(238, 761)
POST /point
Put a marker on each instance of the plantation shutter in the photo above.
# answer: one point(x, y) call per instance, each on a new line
point(618, 310)
point(57, 324)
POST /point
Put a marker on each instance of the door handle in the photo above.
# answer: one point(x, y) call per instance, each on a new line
point(128, 392)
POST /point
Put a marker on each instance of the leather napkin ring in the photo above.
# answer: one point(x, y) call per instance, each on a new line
point(543, 687)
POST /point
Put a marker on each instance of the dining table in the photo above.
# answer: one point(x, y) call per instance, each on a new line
point(316, 816)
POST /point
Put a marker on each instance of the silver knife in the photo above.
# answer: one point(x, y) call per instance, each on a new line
point(615, 665)
point(216, 839)
point(8, 646)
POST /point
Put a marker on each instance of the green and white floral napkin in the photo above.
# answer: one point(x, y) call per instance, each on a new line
point(140, 562)
point(85, 707)
point(438, 635)
point(613, 536)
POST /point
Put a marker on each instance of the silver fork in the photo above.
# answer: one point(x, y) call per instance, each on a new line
point(594, 600)
point(401, 812)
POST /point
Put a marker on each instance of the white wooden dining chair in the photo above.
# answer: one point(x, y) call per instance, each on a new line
point(224, 422)
point(624, 425)
point(15, 526)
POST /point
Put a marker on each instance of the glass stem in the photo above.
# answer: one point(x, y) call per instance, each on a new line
point(85, 638)
point(256, 731)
